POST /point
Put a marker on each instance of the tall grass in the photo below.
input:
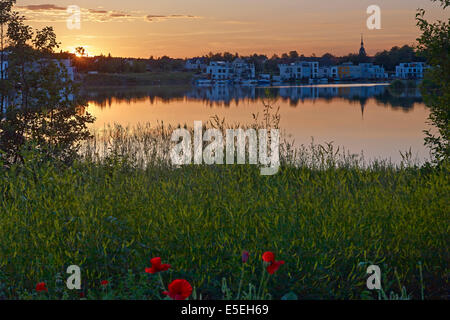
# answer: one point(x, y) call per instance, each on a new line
point(327, 213)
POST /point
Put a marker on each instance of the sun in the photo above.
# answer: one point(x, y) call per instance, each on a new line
point(81, 51)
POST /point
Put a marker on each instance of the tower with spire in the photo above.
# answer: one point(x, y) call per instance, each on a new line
point(362, 51)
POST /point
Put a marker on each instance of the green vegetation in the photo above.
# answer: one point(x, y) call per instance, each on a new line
point(401, 85)
point(42, 100)
point(112, 216)
point(117, 202)
point(396, 55)
point(137, 79)
point(434, 44)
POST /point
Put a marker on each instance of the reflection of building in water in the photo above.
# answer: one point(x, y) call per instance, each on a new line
point(227, 93)
point(223, 93)
point(301, 93)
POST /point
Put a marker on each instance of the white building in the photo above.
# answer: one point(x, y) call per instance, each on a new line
point(4, 75)
point(4, 69)
point(350, 71)
point(238, 70)
point(196, 64)
point(346, 71)
point(4, 66)
point(324, 72)
point(410, 70)
point(299, 70)
point(219, 70)
point(66, 73)
point(243, 70)
point(66, 65)
point(371, 71)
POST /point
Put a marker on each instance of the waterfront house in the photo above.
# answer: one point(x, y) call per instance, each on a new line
point(299, 70)
point(65, 69)
point(346, 71)
point(4, 69)
point(242, 70)
point(239, 71)
point(4, 75)
point(324, 72)
point(219, 70)
point(4, 65)
point(410, 70)
point(196, 64)
point(372, 72)
point(350, 71)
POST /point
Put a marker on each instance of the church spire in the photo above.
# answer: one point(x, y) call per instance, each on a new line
point(362, 51)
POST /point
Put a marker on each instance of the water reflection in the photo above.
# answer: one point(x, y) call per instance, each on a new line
point(233, 95)
point(369, 118)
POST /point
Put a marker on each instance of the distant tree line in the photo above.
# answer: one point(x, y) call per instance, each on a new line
point(263, 64)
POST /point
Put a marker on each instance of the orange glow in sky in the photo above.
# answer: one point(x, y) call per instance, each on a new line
point(182, 28)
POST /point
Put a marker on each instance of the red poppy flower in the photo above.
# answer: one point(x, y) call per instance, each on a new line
point(273, 266)
point(245, 256)
point(268, 256)
point(104, 283)
point(179, 289)
point(157, 266)
point(81, 294)
point(41, 287)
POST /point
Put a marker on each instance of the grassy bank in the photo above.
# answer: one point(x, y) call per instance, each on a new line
point(112, 216)
point(137, 79)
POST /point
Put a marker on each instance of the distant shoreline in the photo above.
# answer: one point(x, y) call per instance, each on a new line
point(180, 78)
point(135, 79)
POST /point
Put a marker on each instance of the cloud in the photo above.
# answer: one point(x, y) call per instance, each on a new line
point(97, 11)
point(119, 15)
point(40, 7)
point(156, 18)
point(54, 13)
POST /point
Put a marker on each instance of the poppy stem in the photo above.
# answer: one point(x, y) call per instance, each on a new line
point(261, 283)
point(161, 281)
point(240, 282)
point(265, 286)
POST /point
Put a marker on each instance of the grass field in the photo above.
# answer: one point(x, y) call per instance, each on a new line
point(111, 217)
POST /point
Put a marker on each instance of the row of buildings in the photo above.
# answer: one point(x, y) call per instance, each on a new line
point(241, 72)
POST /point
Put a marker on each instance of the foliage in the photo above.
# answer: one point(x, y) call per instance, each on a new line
point(396, 55)
point(111, 216)
point(434, 43)
point(43, 100)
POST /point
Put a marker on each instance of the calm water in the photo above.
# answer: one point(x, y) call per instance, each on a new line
point(362, 118)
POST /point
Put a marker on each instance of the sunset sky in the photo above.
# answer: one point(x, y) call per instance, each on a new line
point(186, 28)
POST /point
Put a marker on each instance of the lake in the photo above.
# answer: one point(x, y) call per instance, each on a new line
point(367, 118)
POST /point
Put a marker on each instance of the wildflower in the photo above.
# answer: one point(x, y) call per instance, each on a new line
point(81, 294)
point(157, 266)
point(104, 283)
point(245, 256)
point(273, 265)
point(179, 289)
point(268, 256)
point(41, 287)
